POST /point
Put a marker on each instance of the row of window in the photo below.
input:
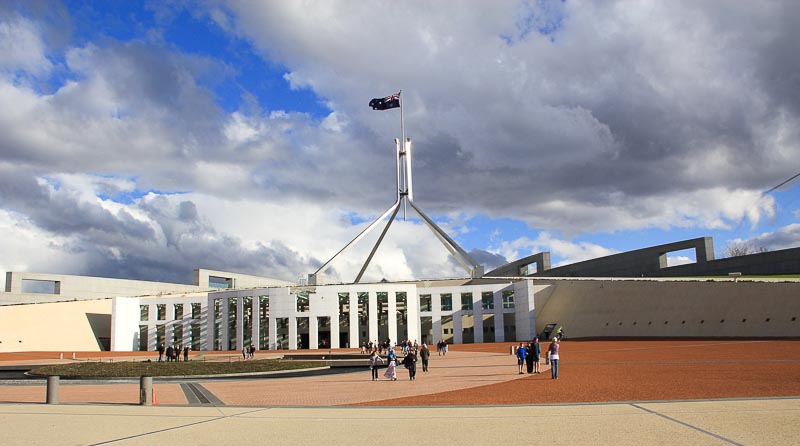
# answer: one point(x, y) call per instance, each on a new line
point(177, 311)
point(425, 303)
point(446, 300)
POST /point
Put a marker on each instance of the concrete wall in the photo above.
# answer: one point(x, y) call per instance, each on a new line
point(240, 280)
point(69, 287)
point(85, 287)
point(667, 308)
point(63, 326)
point(646, 262)
point(652, 262)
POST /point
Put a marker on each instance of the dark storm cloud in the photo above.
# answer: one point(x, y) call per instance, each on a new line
point(605, 108)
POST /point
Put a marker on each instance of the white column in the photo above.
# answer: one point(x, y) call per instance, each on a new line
point(499, 321)
point(256, 334)
point(436, 319)
point(354, 335)
point(273, 332)
point(392, 316)
point(223, 338)
point(313, 332)
point(151, 329)
point(477, 316)
point(208, 341)
point(239, 323)
point(412, 316)
point(458, 337)
point(335, 329)
point(292, 333)
point(373, 316)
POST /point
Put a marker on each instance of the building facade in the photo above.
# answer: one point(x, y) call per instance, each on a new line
point(329, 316)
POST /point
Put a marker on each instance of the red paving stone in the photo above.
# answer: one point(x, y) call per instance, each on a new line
point(485, 374)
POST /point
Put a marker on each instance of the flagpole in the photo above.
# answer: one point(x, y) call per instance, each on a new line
point(403, 151)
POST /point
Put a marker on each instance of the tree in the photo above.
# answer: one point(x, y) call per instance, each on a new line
point(737, 249)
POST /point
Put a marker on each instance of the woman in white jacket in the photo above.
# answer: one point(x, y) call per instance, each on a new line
point(374, 359)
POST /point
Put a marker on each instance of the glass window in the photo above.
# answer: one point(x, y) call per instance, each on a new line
point(447, 302)
point(508, 299)
point(302, 301)
point(487, 300)
point(178, 311)
point(263, 320)
point(143, 338)
point(160, 335)
point(232, 323)
point(197, 309)
point(466, 301)
point(425, 302)
point(144, 312)
point(162, 311)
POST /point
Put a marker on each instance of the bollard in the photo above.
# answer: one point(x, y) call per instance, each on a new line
point(52, 389)
point(146, 391)
point(61, 356)
point(73, 355)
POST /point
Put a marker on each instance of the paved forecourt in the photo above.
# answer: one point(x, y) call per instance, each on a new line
point(772, 421)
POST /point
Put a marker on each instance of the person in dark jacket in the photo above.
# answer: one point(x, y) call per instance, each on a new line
point(410, 362)
point(170, 352)
point(425, 355)
point(160, 352)
point(536, 353)
point(529, 357)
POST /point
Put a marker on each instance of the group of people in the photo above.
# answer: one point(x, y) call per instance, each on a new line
point(441, 347)
point(172, 352)
point(386, 346)
point(409, 361)
point(529, 356)
point(249, 352)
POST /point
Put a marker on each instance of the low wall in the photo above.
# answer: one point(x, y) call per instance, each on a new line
point(663, 308)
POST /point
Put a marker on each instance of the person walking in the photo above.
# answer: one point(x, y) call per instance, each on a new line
point(374, 359)
point(410, 362)
point(553, 351)
point(169, 353)
point(160, 352)
point(536, 353)
point(391, 370)
point(185, 352)
point(425, 355)
point(521, 353)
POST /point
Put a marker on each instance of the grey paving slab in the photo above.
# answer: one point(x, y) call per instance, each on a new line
point(771, 422)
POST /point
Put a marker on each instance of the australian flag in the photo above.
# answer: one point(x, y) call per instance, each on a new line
point(386, 103)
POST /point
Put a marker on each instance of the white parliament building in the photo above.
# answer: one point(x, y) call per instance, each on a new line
point(328, 316)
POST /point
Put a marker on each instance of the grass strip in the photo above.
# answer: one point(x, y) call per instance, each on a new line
point(131, 369)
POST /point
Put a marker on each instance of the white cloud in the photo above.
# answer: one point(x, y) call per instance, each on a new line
point(22, 47)
point(785, 237)
point(567, 251)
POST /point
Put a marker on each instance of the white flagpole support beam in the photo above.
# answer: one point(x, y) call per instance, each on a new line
point(378, 243)
point(312, 278)
point(471, 266)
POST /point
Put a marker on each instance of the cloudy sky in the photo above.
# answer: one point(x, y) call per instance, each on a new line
point(144, 139)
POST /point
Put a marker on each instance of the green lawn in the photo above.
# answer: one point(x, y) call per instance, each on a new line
point(191, 368)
